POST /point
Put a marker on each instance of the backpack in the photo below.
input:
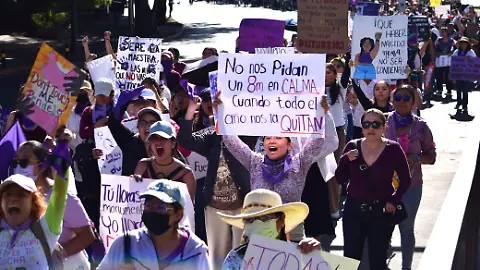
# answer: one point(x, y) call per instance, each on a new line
point(40, 235)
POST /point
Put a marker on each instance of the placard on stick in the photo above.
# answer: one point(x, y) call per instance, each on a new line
point(45, 88)
point(260, 33)
point(271, 95)
point(322, 26)
point(379, 47)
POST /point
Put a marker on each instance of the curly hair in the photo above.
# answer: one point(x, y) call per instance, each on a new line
point(38, 206)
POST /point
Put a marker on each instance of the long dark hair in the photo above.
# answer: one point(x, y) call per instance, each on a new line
point(335, 87)
point(363, 40)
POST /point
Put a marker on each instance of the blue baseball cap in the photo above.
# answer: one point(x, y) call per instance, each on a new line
point(163, 129)
point(166, 191)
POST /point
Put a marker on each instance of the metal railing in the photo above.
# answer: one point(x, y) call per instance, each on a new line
point(453, 243)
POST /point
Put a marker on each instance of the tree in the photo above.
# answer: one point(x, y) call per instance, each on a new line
point(146, 19)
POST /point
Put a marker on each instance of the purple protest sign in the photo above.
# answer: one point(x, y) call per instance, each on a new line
point(465, 68)
point(260, 33)
point(412, 34)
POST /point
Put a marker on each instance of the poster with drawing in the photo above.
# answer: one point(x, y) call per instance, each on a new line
point(111, 160)
point(137, 59)
point(379, 47)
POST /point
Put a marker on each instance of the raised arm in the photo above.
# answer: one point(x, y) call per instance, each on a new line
point(240, 150)
point(375, 50)
point(108, 44)
point(362, 98)
point(86, 48)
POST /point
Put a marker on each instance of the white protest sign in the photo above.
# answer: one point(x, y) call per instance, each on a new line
point(102, 68)
point(275, 50)
point(271, 95)
point(340, 263)
point(137, 59)
point(199, 165)
point(111, 160)
point(379, 47)
point(442, 11)
point(443, 61)
point(266, 253)
point(132, 125)
point(121, 206)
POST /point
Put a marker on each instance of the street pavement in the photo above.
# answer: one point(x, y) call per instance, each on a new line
point(210, 25)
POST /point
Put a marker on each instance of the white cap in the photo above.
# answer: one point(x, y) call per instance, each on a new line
point(104, 87)
point(24, 182)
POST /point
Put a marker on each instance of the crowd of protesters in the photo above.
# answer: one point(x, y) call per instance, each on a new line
point(373, 132)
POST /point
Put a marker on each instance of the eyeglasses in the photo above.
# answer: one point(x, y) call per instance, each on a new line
point(372, 124)
point(143, 123)
point(157, 208)
point(22, 162)
point(398, 98)
point(261, 218)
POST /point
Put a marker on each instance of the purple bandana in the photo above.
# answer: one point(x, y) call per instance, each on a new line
point(60, 159)
point(274, 170)
point(22, 227)
point(402, 121)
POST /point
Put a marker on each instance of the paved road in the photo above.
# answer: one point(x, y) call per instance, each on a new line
point(217, 26)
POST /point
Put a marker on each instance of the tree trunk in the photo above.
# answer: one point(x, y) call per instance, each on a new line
point(160, 8)
point(144, 19)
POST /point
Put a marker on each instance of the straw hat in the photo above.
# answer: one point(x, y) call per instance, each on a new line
point(261, 202)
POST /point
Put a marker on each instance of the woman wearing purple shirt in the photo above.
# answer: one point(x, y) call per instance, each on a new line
point(416, 140)
point(368, 165)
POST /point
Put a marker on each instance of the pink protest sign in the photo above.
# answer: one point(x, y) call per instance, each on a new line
point(260, 33)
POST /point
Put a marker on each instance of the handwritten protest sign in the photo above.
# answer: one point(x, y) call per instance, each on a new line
point(121, 206)
point(131, 125)
point(275, 50)
point(422, 25)
point(442, 11)
point(271, 95)
point(111, 160)
point(465, 68)
point(322, 26)
point(45, 88)
point(260, 33)
point(102, 68)
point(137, 59)
point(266, 253)
point(199, 165)
point(443, 61)
point(367, 9)
point(379, 47)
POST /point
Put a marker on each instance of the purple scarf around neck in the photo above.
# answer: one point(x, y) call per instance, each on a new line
point(274, 170)
point(22, 227)
point(402, 121)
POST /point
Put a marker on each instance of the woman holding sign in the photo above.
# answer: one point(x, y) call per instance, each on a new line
point(278, 170)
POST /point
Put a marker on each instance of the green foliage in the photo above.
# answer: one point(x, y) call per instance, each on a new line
point(48, 20)
point(101, 3)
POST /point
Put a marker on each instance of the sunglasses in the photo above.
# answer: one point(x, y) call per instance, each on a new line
point(372, 124)
point(143, 123)
point(22, 162)
point(261, 218)
point(398, 98)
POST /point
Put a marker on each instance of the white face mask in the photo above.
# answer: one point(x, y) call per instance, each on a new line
point(264, 228)
point(27, 171)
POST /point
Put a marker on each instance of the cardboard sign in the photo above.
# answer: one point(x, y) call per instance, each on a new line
point(422, 25)
point(45, 88)
point(121, 207)
point(367, 9)
point(260, 33)
point(137, 59)
point(379, 49)
point(199, 165)
point(271, 95)
point(443, 61)
point(275, 50)
point(102, 68)
point(465, 68)
point(269, 254)
point(322, 26)
point(111, 160)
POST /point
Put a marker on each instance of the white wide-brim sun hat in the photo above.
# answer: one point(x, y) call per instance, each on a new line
point(261, 202)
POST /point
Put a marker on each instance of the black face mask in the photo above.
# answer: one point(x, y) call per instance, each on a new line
point(82, 99)
point(156, 223)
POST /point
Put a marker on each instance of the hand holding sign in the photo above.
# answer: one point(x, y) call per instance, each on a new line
point(216, 100)
point(308, 245)
point(324, 103)
point(73, 87)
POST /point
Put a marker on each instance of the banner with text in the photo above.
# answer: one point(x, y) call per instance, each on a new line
point(465, 68)
point(271, 95)
point(266, 253)
point(322, 26)
point(198, 164)
point(260, 33)
point(121, 206)
point(137, 59)
point(45, 88)
point(379, 47)
point(102, 68)
point(111, 160)
point(275, 50)
point(422, 26)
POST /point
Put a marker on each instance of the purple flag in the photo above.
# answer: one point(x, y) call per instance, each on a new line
point(8, 146)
